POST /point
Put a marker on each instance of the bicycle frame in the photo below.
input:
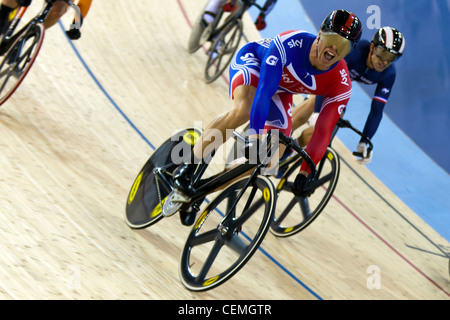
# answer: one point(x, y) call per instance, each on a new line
point(201, 190)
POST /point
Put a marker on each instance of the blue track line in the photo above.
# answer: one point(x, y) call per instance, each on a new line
point(103, 90)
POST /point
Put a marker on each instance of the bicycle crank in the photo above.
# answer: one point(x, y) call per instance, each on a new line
point(173, 203)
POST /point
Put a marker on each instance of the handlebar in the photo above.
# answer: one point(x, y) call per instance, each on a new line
point(288, 142)
point(346, 124)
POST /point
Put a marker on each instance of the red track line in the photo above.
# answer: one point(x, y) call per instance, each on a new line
point(389, 245)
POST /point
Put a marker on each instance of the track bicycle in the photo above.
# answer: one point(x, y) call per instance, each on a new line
point(224, 33)
point(19, 49)
point(293, 213)
point(230, 227)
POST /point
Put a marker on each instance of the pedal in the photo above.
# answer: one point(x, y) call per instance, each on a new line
point(173, 203)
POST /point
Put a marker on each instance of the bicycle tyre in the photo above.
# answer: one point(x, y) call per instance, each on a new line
point(223, 50)
point(19, 58)
point(226, 237)
point(143, 207)
point(329, 168)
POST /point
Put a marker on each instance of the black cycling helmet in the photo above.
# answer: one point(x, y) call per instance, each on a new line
point(391, 40)
point(345, 24)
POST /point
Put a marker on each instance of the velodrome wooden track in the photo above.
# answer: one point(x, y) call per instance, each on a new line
point(69, 157)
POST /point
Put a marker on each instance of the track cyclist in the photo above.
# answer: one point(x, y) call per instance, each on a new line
point(57, 11)
point(228, 6)
point(265, 75)
point(369, 63)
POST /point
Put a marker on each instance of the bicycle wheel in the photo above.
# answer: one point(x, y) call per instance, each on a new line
point(223, 49)
point(19, 58)
point(146, 196)
point(226, 235)
point(287, 221)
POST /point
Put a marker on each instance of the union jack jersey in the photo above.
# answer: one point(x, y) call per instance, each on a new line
point(282, 65)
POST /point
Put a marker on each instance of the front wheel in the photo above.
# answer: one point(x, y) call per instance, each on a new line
point(18, 60)
point(227, 234)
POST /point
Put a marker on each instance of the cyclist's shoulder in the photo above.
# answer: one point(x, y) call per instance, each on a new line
point(296, 34)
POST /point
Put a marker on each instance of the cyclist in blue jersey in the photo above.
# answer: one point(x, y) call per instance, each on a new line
point(228, 5)
point(264, 76)
point(370, 63)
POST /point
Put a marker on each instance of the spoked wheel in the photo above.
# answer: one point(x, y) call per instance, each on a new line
point(149, 190)
point(222, 50)
point(293, 214)
point(227, 234)
point(18, 60)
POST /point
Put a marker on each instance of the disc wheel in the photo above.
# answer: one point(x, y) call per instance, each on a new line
point(149, 191)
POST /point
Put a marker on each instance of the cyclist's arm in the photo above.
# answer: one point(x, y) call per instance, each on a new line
point(269, 81)
point(332, 108)
point(379, 100)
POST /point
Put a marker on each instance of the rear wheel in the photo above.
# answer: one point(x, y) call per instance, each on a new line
point(293, 213)
point(154, 182)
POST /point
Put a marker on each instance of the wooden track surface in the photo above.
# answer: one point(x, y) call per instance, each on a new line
point(69, 158)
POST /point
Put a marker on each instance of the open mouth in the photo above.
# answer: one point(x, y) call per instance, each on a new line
point(329, 56)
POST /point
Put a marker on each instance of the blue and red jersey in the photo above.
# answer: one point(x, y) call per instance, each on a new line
point(281, 67)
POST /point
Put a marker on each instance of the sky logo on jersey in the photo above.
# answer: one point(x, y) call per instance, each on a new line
point(295, 43)
point(344, 76)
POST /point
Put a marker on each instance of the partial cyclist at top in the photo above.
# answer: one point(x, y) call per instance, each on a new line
point(229, 6)
point(58, 10)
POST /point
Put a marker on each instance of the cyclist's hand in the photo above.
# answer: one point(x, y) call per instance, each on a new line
point(260, 23)
point(366, 158)
point(251, 149)
point(73, 34)
point(302, 187)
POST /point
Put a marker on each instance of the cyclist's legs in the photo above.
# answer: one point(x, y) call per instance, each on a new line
point(57, 11)
point(7, 6)
point(301, 113)
point(211, 9)
point(232, 119)
point(60, 8)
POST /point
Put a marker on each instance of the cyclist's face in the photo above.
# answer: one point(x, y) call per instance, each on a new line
point(380, 58)
point(330, 49)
